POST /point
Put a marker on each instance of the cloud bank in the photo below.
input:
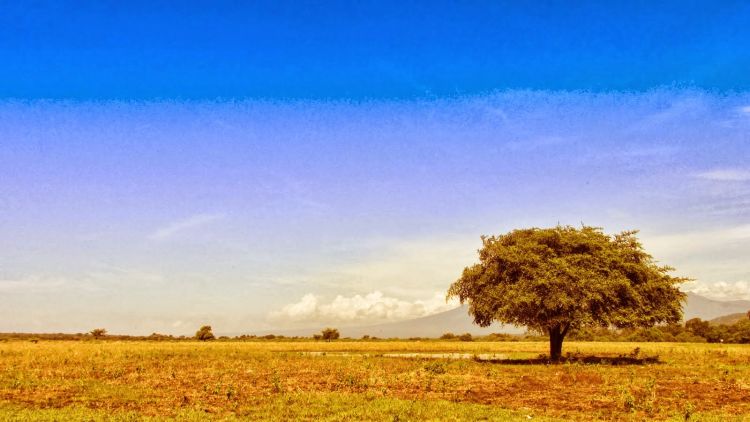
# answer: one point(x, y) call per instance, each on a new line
point(370, 308)
point(737, 290)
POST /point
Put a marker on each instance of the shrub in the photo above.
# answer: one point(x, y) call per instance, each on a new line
point(205, 333)
point(465, 337)
point(98, 332)
point(158, 337)
point(329, 334)
point(448, 336)
point(500, 337)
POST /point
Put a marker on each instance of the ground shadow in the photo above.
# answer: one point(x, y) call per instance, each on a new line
point(588, 360)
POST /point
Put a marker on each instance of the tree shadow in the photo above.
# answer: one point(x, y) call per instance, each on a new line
point(586, 360)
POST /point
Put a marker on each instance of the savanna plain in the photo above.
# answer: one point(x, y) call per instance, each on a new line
point(358, 380)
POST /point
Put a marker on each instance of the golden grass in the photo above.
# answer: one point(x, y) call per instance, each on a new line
point(108, 380)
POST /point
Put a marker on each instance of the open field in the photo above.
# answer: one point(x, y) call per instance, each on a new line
point(108, 380)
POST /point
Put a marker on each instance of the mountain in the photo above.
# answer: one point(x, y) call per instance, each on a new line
point(729, 319)
point(458, 321)
point(707, 309)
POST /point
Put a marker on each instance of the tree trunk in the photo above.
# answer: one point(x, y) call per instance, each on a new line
point(556, 336)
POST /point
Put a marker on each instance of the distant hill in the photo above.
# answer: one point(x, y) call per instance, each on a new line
point(707, 309)
point(729, 319)
point(458, 321)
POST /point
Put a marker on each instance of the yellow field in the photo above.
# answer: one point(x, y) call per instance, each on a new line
point(107, 380)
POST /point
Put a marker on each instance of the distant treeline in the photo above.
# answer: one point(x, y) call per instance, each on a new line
point(268, 337)
point(152, 337)
point(693, 331)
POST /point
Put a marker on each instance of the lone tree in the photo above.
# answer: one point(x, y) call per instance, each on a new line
point(560, 279)
point(98, 332)
point(204, 333)
point(329, 334)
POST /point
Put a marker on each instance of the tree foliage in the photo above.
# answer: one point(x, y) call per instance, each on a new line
point(329, 334)
point(559, 279)
point(204, 333)
point(98, 332)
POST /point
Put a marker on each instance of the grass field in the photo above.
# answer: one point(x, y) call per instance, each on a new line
point(108, 380)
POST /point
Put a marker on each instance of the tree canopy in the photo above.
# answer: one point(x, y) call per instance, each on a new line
point(329, 334)
point(559, 279)
point(204, 333)
point(98, 332)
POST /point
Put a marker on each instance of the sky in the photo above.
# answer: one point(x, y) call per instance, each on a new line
point(277, 165)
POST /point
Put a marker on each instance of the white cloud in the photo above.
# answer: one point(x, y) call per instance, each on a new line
point(720, 290)
point(726, 175)
point(175, 227)
point(371, 308)
point(745, 109)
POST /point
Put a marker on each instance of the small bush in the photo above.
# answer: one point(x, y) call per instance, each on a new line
point(205, 333)
point(98, 332)
point(329, 334)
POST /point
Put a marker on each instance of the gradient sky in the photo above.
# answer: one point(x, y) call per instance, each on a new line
point(280, 165)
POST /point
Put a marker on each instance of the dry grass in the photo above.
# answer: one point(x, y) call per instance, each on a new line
point(275, 380)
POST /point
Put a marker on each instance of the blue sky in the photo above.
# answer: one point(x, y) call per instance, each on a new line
point(364, 50)
point(273, 166)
